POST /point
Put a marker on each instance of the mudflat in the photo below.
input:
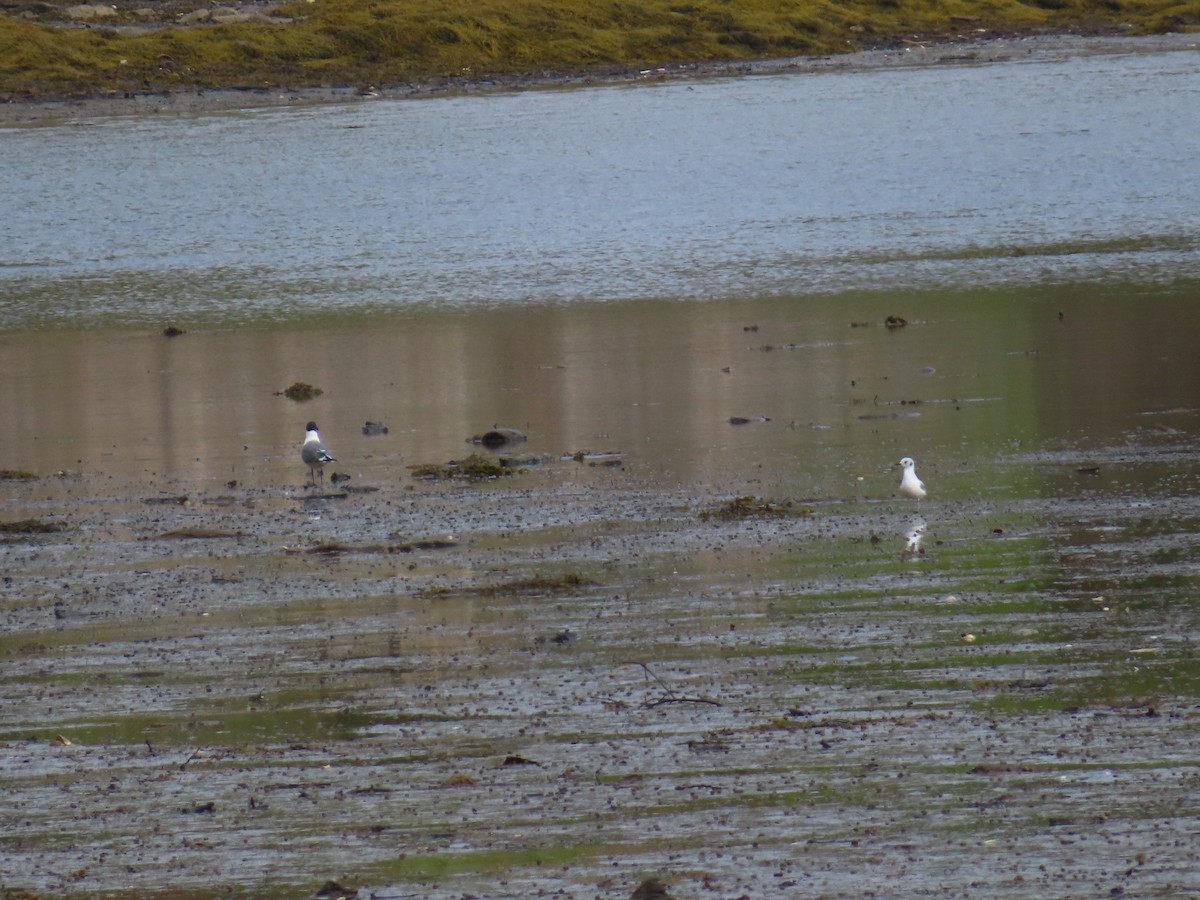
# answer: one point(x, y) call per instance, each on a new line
point(572, 681)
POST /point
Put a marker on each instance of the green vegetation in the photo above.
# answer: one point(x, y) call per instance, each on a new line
point(331, 42)
point(440, 866)
point(474, 468)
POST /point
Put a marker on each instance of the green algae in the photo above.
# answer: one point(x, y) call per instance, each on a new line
point(475, 467)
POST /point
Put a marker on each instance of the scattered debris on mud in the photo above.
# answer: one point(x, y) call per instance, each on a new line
point(752, 507)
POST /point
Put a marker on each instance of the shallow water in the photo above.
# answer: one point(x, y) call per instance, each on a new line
point(833, 396)
point(774, 185)
point(535, 259)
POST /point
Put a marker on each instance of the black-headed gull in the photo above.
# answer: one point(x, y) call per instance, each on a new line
point(314, 453)
point(910, 484)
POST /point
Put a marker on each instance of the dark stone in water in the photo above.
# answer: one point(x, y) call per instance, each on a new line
point(499, 437)
point(374, 429)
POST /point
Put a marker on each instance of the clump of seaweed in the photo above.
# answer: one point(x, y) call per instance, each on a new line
point(16, 475)
point(541, 585)
point(750, 507)
point(538, 584)
point(31, 526)
point(474, 468)
point(300, 391)
point(334, 549)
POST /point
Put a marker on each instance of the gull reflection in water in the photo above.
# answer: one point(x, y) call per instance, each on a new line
point(913, 535)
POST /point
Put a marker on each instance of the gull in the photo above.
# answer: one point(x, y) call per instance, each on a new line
point(314, 453)
point(910, 484)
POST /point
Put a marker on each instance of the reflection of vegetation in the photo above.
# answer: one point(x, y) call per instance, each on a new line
point(348, 41)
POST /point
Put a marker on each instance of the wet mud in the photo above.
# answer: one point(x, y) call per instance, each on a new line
point(572, 680)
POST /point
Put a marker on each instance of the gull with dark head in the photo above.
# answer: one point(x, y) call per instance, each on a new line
point(314, 452)
point(910, 484)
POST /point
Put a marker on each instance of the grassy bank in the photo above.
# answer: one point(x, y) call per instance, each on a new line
point(297, 44)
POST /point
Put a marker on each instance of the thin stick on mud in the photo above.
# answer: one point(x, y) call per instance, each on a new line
point(195, 753)
point(671, 696)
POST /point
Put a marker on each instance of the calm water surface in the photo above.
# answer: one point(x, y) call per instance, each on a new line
point(588, 264)
point(793, 183)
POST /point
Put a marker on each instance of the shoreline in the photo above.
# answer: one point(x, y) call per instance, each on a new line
point(917, 53)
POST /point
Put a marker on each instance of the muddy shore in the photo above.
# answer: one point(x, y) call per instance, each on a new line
point(568, 681)
point(986, 49)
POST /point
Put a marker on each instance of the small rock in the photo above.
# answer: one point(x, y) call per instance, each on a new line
point(524, 460)
point(650, 889)
point(227, 16)
point(515, 760)
point(374, 429)
point(87, 11)
point(331, 890)
point(499, 437)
